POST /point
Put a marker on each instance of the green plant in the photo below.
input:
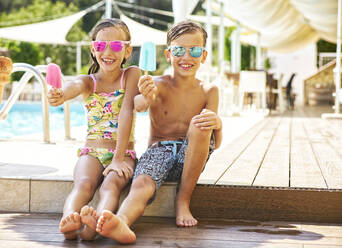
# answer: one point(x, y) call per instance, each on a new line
point(267, 64)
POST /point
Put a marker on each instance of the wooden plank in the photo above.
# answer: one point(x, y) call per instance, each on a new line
point(275, 167)
point(162, 244)
point(335, 127)
point(221, 160)
point(328, 159)
point(266, 203)
point(245, 168)
point(103, 243)
point(304, 168)
point(162, 232)
point(322, 246)
point(328, 230)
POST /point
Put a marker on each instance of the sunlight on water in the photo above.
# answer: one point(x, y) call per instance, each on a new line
point(26, 118)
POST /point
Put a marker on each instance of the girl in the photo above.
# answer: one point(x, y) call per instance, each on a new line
point(108, 92)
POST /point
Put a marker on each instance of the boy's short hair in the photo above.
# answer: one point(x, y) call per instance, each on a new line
point(185, 27)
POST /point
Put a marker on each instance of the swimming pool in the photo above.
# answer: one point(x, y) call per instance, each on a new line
point(26, 118)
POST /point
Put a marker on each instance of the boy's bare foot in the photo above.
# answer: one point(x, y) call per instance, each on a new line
point(69, 225)
point(112, 226)
point(89, 218)
point(184, 217)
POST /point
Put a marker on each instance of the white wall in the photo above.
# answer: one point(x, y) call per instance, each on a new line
point(301, 62)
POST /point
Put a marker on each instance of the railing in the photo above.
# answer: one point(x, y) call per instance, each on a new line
point(31, 71)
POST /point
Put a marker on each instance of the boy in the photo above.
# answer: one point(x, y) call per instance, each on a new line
point(185, 129)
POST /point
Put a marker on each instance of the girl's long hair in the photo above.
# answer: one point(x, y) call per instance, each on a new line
point(106, 23)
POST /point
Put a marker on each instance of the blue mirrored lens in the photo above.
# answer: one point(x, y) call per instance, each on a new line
point(196, 51)
point(177, 51)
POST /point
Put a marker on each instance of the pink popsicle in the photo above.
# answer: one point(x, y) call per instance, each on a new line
point(53, 75)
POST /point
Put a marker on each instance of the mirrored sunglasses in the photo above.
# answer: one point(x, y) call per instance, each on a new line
point(115, 45)
point(179, 51)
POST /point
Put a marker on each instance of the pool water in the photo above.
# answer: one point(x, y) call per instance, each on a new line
point(27, 118)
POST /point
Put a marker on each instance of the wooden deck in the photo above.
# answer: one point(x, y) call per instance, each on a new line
point(287, 167)
point(298, 149)
point(41, 230)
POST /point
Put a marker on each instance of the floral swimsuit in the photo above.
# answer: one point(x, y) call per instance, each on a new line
point(103, 113)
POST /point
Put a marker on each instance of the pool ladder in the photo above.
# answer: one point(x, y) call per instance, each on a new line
point(37, 72)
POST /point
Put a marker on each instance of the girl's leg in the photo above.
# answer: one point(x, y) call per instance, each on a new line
point(87, 174)
point(110, 191)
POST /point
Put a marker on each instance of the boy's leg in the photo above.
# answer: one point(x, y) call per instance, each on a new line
point(87, 174)
point(110, 191)
point(195, 158)
point(117, 226)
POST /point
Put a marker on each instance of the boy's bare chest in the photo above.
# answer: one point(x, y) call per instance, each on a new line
point(181, 106)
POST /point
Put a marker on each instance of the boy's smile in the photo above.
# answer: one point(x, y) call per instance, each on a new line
point(186, 66)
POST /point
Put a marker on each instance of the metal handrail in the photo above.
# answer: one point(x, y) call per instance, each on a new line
point(36, 71)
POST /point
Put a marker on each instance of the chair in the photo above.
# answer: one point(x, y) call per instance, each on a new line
point(252, 82)
point(279, 91)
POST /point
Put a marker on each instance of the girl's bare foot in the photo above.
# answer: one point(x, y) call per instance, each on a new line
point(70, 224)
point(89, 218)
point(112, 226)
point(184, 217)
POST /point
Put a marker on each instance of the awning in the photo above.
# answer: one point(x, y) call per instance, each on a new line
point(285, 25)
point(141, 33)
point(48, 32)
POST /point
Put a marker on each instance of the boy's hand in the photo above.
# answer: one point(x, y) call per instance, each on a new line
point(147, 88)
point(207, 120)
point(120, 167)
point(55, 97)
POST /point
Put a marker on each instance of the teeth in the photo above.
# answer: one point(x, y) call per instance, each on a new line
point(108, 60)
point(186, 66)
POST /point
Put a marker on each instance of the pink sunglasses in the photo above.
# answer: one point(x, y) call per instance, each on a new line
point(115, 45)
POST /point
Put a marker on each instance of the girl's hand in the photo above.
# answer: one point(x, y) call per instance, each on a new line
point(55, 97)
point(121, 167)
point(207, 120)
point(147, 88)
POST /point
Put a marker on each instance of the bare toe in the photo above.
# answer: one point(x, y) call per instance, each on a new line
point(112, 226)
point(70, 224)
point(89, 219)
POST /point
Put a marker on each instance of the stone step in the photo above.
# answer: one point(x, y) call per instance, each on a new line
point(208, 201)
point(48, 196)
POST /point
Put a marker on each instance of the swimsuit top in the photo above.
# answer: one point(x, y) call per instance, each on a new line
point(103, 112)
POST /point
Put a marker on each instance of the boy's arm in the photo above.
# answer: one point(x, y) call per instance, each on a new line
point(148, 92)
point(208, 119)
point(218, 135)
point(213, 102)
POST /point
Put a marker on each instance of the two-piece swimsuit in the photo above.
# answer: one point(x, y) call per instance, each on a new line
point(103, 118)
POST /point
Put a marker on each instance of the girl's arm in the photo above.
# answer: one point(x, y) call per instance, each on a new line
point(126, 114)
point(70, 90)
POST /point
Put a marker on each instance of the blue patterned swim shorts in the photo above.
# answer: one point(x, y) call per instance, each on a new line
point(164, 160)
